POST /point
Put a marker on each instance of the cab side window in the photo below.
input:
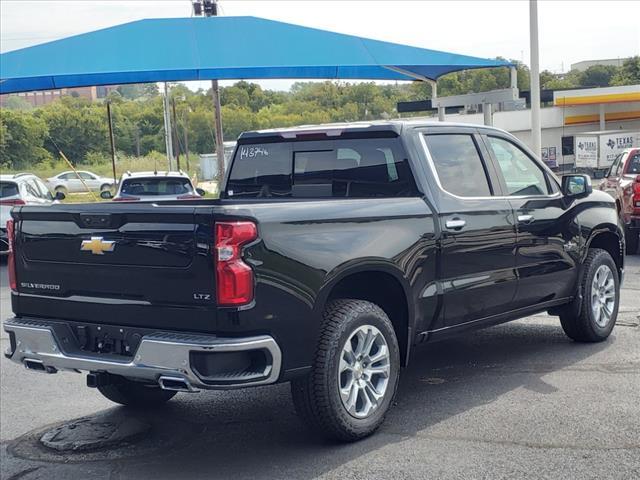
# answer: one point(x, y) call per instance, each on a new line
point(458, 164)
point(615, 166)
point(521, 174)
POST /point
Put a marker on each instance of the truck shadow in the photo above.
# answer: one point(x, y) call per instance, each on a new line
point(255, 433)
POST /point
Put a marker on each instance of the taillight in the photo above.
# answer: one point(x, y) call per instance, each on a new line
point(12, 203)
point(11, 259)
point(636, 193)
point(126, 199)
point(234, 278)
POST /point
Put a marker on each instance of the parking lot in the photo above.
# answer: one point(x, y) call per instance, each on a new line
point(513, 401)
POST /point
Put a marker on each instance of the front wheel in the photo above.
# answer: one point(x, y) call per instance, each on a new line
point(134, 394)
point(592, 317)
point(355, 372)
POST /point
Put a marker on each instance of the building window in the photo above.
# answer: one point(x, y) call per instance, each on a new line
point(567, 145)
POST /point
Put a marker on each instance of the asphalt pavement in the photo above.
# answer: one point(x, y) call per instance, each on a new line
point(518, 400)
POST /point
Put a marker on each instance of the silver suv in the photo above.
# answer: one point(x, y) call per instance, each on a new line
point(20, 189)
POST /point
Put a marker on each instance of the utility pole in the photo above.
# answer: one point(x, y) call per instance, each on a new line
point(185, 128)
point(175, 132)
point(112, 142)
point(167, 128)
point(209, 8)
point(536, 132)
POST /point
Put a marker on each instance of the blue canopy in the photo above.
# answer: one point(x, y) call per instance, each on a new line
point(200, 48)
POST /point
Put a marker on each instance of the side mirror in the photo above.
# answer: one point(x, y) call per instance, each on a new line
point(201, 192)
point(576, 185)
point(106, 195)
point(59, 195)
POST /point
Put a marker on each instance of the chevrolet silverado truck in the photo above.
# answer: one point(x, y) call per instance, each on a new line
point(332, 252)
point(623, 184)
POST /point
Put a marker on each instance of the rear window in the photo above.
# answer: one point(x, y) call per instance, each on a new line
point(8, 189)
point(352, 168)
point(156, 186)
point(634, 164)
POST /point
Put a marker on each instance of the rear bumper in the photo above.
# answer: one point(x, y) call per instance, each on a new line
point(634, 222)
point(166, 358)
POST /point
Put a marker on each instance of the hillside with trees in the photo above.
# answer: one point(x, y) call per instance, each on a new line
point(79, 127)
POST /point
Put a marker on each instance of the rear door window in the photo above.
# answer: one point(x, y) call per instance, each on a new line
point(352, 168)
point(458, 164)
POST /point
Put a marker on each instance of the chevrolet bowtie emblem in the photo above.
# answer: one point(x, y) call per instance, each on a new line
point(97, 246)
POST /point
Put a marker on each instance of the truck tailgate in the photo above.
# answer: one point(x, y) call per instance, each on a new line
point(142, 265)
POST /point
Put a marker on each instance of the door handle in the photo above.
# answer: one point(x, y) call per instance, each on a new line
point(525, 218)
point(455, 224)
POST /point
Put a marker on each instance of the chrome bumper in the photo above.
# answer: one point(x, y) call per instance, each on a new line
point(160, 358)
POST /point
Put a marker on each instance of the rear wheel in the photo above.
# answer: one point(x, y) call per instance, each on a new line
point(592, 317)
point(134, 394)
point(62, 189)
point(105, 187)
point(355, 372)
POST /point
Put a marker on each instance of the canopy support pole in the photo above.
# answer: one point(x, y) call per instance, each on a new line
point(536, 132)
point(422, 78)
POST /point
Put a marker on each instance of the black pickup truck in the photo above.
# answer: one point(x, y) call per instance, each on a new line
point(332, 252)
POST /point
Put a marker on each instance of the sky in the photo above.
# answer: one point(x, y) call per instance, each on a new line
point(569, 31)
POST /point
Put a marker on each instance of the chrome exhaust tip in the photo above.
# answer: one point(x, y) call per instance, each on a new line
point(177, 384)
point(38, 366)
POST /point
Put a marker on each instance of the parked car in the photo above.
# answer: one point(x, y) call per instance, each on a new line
point(623, 184)
point(20, 189)
point(154, 186)
point(332, 253)
point(72, 182)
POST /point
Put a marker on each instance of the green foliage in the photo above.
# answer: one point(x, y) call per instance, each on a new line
point(22, 138)
point(629, 73)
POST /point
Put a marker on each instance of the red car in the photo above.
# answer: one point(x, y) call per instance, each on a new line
point(623, 184)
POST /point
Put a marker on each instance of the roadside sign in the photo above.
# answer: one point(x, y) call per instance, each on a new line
point(612, 144)
point(586, 151)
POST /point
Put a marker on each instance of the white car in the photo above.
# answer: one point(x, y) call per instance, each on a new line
point(69, 182)
point(141, 186)
point(20, 189)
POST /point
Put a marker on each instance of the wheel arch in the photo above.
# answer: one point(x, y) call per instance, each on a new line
point(379, 282)
point(608, 238)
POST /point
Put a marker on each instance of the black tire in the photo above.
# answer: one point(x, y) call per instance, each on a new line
point(578, 319)
point(61, 189)
point(317, 396)
point(632, 239)
point(135, 394)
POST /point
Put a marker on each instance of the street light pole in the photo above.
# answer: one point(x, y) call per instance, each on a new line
point(536, 132)
point(209, 8)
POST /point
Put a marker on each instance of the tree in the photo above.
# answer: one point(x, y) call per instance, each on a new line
point(629, 73)
point(598, 76)
point(22, 137)
point(77, 126)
